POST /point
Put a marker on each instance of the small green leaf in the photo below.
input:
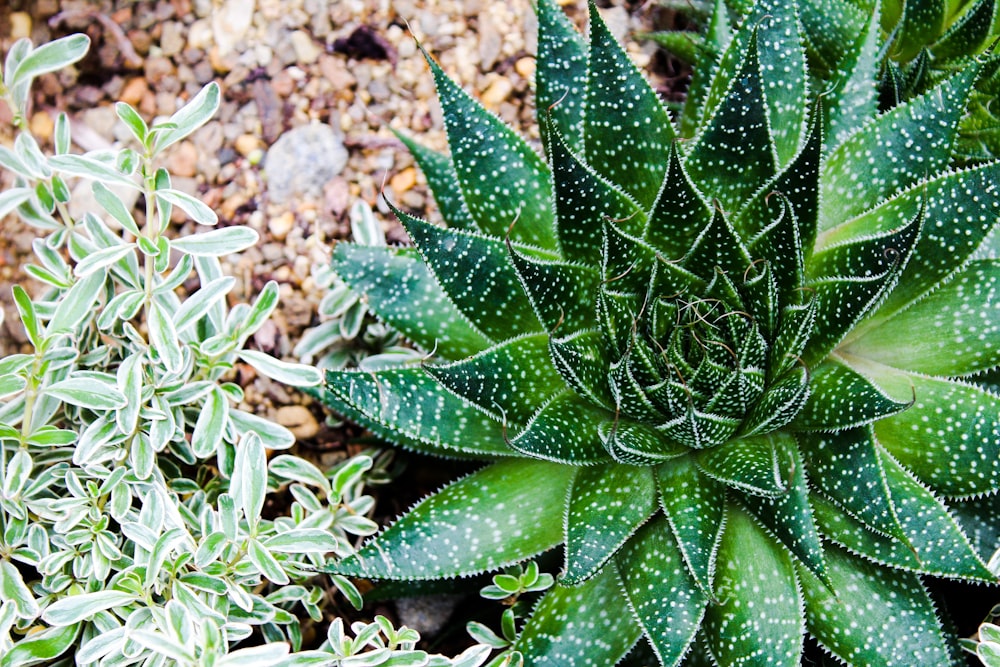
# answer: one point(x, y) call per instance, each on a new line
point(295, 375)
point(302, 541)
point(211, 425)
point(490, 519)
point(41, 647)
point(163, 337)
point(266, 563)
point(88, 167)
point(87, 393)
point(50, 57)
point(133, 121)
point(113, 204)
point(194, 207)
point(216, 243)
point(198, 111)
point(29, 318)
point(251, 461)
point(74, 608)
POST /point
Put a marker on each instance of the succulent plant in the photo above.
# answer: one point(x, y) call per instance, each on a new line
point(733, 377)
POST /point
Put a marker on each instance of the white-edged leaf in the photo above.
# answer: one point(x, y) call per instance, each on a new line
point(78, 303)
point(17, 474)
point(74, 608)
point(101, 258)
point(163, 337)
point(51, 57)
point(211, 424)
point(88, 167)
point(265, 655)
point(12, 198)
point(303, 541)
point(113, 204)
point(296, 375)
point(199, 211)
point(217, 242)
point(133, 121)
point(161, 644)
point(130, 374)
point(87, 393)
point(262, 308)
point(253, 481)
point(273, 435)
point(298, 469)
point(190, 117)
point(265, 562)
point(14, 590)
point(199, 303)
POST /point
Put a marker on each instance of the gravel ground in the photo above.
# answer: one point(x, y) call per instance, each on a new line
point(311, 92)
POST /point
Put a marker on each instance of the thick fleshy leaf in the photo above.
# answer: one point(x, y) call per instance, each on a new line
point(718, 246)
point(789, 519)
point(407, 406)
point(679, 214)
point(761, 465)
point(648, 564)
point(734, 154)
point(960, 209)
point(883, 598)
point(560, 292)
point(502, 179)
point(566, 429)
point(878, 160)
point(694, 505)
point(510, 381)
point(779, 403)
point(855, 96)
point(401, 290)
point(625, 119)
point(636, 443)
point(842, 398)
point(760, 610)
point(475, 271)
point(490, 519)
point(607, 504)
point(847, 467)
point(583, 362)
point(849, 279)
point(589, 625)
point(441, 178)
point(585, 202)
point(958, 325)
point(560, 76)
point(967, 35)
point(949, 437)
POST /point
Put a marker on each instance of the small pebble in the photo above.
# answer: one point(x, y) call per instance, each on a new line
point(498, 91)
point(281, 225)
point(246, 144)
point(404, 180)
point(133, 91)
point(20, 25)
point(42, 125)
point(306, 50)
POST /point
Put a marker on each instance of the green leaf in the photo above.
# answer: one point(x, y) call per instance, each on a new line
point(567, 430)
point(50, 57)
point(761, 465)
point(133, 121)
point(273, 435)
point(210, 427)
point(78, 303)
point(441, 179)
point(679, 214)
point(42, 646)
point(217, 242)
point(600, 519)
point(959, 325)
point(734, 154)
point(72, 609)
point(760, 608)
point(302, 541)
point(509, 381)
point(846, 466)
point(266, 563)
point(560, 76)
point(101, 259)
point(88, 167)
point(625, 118)
point(589, 625)
point(295, 375)
point(694, 505)
point(14, 591)
point(968, 34)
point(194, 207)
point(877, 161)
point(841, 398)
point(29, 317)
point(402, 292)
point(114, 205)
point(189, 118)
point(87, 393)
point(407, 406)
point(884, 598)
point(650, 564)
point(505, 184)
point(197, 305)
point(163, 337)
point(474, 270)
point(949, 438)
point(560, 292)
point(251, 464)
point(488, 520)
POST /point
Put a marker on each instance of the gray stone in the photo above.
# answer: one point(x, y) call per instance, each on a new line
point(427, 615)
point(302, 161)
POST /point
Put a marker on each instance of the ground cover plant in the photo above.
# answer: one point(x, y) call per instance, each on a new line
point(732, 369)
point(132, 486)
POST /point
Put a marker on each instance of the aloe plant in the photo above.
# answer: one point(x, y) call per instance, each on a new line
point(732, 377)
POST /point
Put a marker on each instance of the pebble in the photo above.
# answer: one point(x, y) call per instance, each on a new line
point(299, 420)
point(246, 144)
point(306, 50)
point(172, 38)
point(404, 180)
point(302, 161)
point(230, 23)
point(157, 69)
point(42, 125)
point(20, 25)
point(133, 91)
point(498, 91)
point(281, 225)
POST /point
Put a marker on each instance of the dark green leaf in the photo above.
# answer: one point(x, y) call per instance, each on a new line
point(560, 76)
point(841, 398)
point(761, 465)
point(441, 178)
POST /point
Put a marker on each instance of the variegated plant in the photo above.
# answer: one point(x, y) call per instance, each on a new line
point(733, 377)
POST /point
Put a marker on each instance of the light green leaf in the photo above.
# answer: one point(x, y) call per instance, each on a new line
point(302, 541)
point(198, 111)
point(113, 204)
point(211, 425)
point(75, 608)
point(251, 462)
point(87, 393)
point(217, 242)
point(100, 259)
point(50, 57)
point(163, 337)
point(41, 647)
point(265, 562)
point(88, 167)
point(295, 375)
point(490, 519)
point(194, 207)
point(196, 305)
point(760, 609)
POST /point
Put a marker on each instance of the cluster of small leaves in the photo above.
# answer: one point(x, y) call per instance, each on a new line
point(986, 643)
point(735, 369)
point(348, 336)
point(132, 484)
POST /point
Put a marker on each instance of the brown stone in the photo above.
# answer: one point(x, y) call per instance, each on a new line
point(183, 160)
point(404, 180)
point(134, 91)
